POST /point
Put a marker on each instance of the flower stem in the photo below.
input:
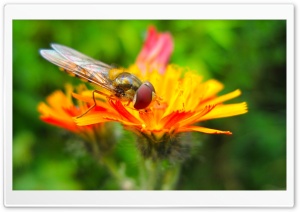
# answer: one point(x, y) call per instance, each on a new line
point(170, 178)
point(155, 175)
point(118, 172)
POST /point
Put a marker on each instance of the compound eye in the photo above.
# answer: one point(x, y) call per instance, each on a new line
point(143, 96)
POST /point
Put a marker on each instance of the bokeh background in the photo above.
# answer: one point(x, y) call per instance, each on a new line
point(249, 55)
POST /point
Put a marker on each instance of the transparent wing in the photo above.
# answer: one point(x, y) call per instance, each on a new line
point(95, 77)
point(82, 60)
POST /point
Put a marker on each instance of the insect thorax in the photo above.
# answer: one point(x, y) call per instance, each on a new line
point(126, 85)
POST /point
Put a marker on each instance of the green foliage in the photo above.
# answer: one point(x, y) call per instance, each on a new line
point(249, 55)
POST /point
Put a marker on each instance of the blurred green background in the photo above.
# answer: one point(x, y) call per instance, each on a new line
point(249, 55)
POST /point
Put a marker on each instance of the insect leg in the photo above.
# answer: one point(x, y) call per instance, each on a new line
point(95, 103)
point(128, 102)
point(157, 98)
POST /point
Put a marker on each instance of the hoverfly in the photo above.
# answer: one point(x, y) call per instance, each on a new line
point(120, 84)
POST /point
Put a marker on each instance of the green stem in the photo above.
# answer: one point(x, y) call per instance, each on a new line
point(154, 176)
point(148, 175)
point(171, 177)
point(112, 167)
point(119, 173)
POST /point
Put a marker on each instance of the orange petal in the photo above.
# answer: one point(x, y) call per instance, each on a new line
point(58, 96)
point(66, 124)
point(174, 118)
point(56, 118)
point(203, 129)
point(211, 88)
point(148, 118)
point(117, 105)
point(101, 118)
point(223, 98)
point(89, 119)
point(197, 116)
point(222, 111)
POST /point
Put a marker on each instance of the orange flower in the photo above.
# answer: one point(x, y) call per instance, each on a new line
point(60, 111)
point(184, 101)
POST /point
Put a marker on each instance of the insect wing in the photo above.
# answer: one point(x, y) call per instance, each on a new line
point(95, 77)
point(96, 68)
point(81, 59)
